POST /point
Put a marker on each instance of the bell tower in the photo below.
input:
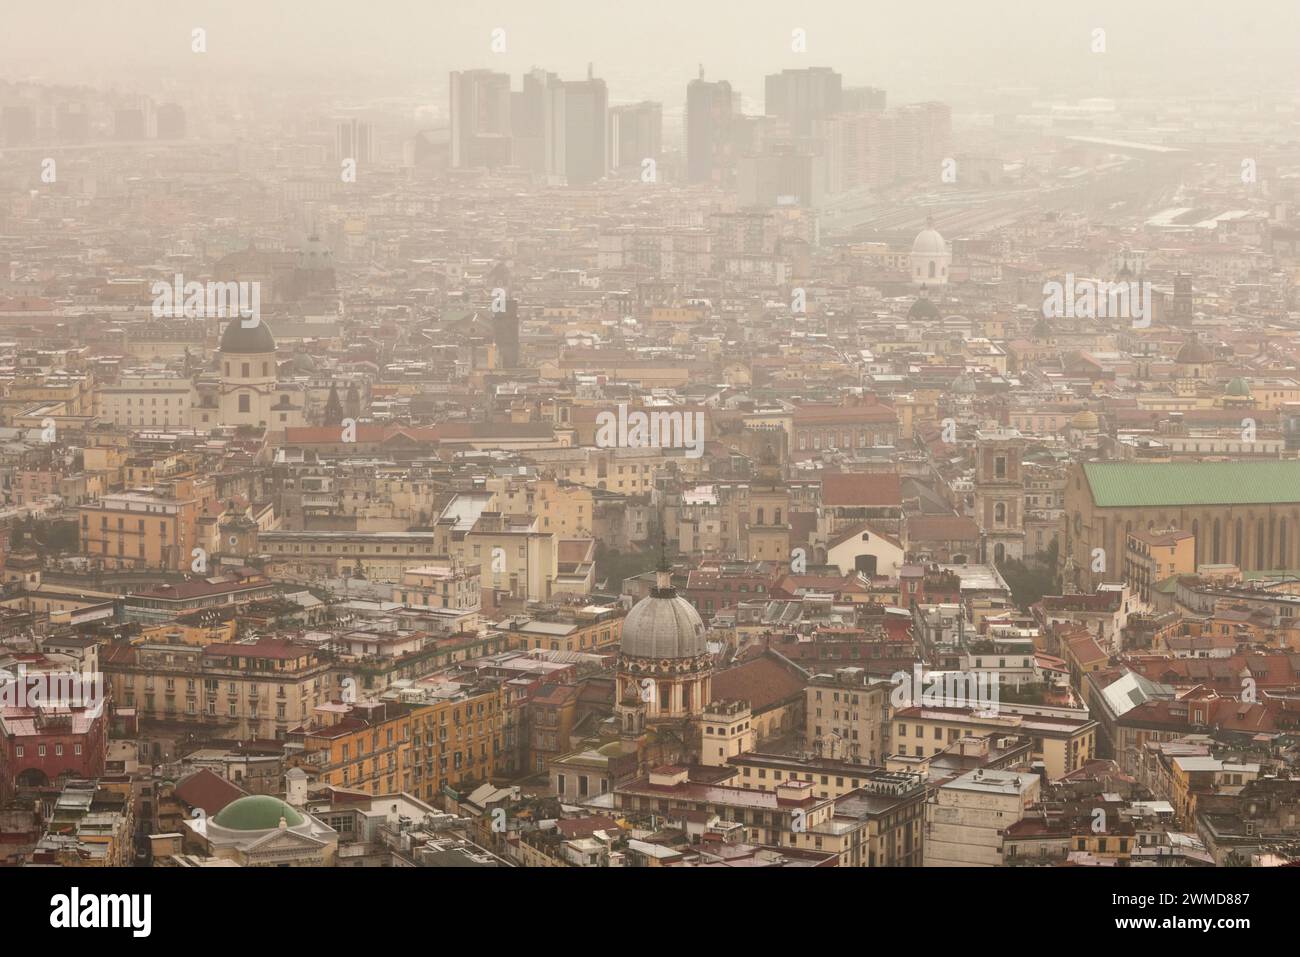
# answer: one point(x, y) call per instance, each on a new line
point(1000, 493)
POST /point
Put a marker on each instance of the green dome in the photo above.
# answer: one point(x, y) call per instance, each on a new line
point(257, 812)
point(1238, 386)
point(923, 309)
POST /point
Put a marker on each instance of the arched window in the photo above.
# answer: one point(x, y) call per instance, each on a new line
point(1000, 513)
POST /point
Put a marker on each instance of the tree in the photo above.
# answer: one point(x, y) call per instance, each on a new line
point(333, 407)
point(1029, 581)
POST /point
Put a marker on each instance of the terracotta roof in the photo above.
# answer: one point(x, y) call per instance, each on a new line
point(266, 648)
point(859, 489)
point(941, 528)
point(762, 682)
point(209, 791)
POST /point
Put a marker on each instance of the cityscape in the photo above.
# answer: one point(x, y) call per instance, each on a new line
point(571, 449)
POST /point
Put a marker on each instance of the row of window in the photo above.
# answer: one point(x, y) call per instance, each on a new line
point(826, 440)
point(21, 750)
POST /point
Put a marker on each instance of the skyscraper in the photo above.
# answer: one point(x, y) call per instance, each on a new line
point(585, 130)
point(480, 118)
point(536, 123)
point(862, 99)
point(710, 115)
point(635, 134)
point(801, 97)
point(354, 139)
point(923, 138)
point(859, 150)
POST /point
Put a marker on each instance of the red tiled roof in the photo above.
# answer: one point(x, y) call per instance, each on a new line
point(266, 648)
point(941, 528)
point(859, 489)
point(762, 682)
point(209, 791)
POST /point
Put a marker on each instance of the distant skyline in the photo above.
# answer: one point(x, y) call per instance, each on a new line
point(944, 49)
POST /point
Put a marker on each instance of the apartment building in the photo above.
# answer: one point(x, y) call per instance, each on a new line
point(848, 716)
point(965, 818)
point(243, 690)
point(144, 528)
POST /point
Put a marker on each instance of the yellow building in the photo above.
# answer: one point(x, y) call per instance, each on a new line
point(1063, 744)
point(259, 690)
point(1194, 776)
point(140, 529)
point(590, 628)
point(415, 746)
point(846, 715)
point(1151, 557)
point(440, 586)
point(563, 509)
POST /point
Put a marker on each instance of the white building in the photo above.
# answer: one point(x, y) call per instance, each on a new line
point(930, 258)
point(966, 817)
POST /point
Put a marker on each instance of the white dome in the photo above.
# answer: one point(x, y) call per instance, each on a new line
point(663, 627)
point(929, 243)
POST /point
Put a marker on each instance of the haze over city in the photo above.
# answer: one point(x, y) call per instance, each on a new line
point(623, 437)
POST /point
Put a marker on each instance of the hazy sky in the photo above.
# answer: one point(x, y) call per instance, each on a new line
point(952, 49)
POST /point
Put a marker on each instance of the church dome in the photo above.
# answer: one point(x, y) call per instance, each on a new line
point(1085, 421)
point(257, 812)
point(923, 308)
point(665, 625)
point(1238, 387)
point(1193, 352)
point(929, 243)
point(239, 339)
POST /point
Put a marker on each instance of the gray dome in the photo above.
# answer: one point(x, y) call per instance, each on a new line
point(663, 626)
point(239, 339)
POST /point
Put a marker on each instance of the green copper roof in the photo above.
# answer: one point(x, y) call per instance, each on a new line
point(257, 812)
point(1193, 483)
